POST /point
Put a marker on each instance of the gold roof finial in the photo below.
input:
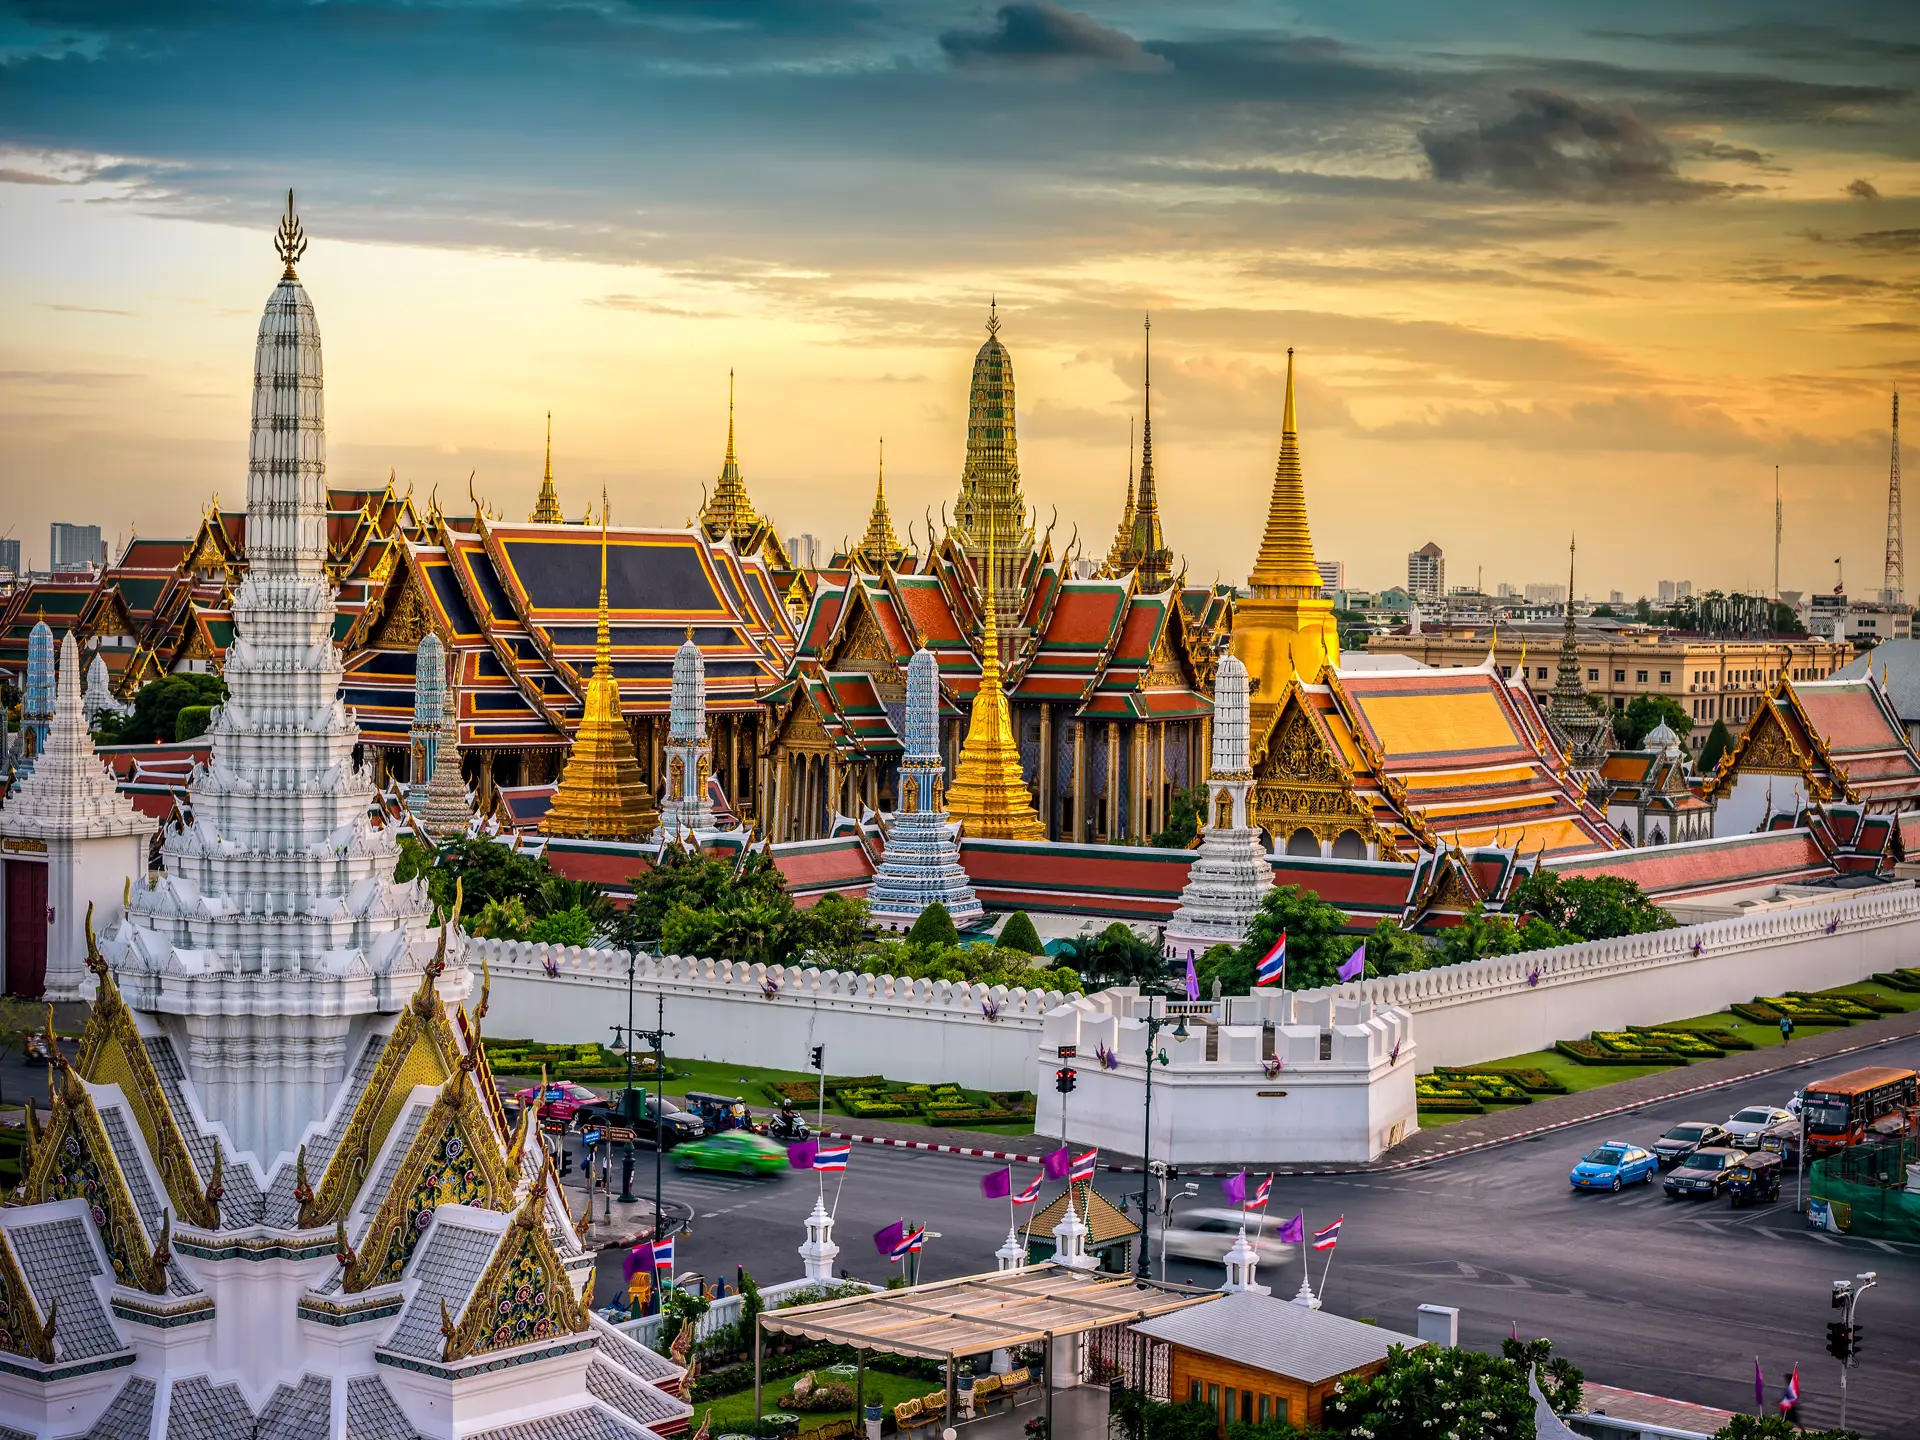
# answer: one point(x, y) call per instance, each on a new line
point(993, 314)
point(290, 242)
point(1285, 566)
point(989, 790)
point(729, 512)
point(879, 545)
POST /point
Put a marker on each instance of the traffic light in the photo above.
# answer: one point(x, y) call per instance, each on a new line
point(1854, 1341)
point(566, 1162)
point(817, 1058)
point(1064, 1080)
point(1839, 1340)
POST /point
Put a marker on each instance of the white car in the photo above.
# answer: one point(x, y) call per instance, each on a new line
point(1748, 1125)
point(1209, 1234)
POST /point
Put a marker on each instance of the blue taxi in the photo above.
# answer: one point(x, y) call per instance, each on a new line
point(1612, 1165)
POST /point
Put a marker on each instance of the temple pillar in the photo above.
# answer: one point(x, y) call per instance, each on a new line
point(733, 763)
point(654, 739)
point(1043, 775)
point(1079, 779)
point(1113, 782)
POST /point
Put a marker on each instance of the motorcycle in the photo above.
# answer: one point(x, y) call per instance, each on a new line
point(787, 1127)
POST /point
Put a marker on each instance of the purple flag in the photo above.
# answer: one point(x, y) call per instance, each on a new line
point(639, 1261)
point(1193, 980)
point(1058, 1165)
point(1234, 1187)
point(1759, 1385)
point(1292, 1232)
point(997, 1184)
point(800, 1156)
point(888, 1240)
point(1356, 965)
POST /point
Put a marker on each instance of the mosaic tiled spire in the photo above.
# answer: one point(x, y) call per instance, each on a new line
point(445, 812)
point(922, 860)
point(70, 794)
point(429, 700)
point(602, 795)
point(989, 792)
point(1149, 547)
point(546, 510)
point(688, 754)
point(278, 919)
point(36, 700)
point(729, 511)
point(991, 515)
point(1586, 734)
point(1230, 874)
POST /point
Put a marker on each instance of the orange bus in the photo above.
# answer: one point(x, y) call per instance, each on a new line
point(1838, 1110)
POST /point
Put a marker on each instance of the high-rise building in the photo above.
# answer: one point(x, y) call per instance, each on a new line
point(1666, 592)
point(1672, 592)
point(1616, 597)
point(804, 550)
point(9, 557)
point(1427, 573)
point(1543, 594)
point(75, 547)
point(1333, 575)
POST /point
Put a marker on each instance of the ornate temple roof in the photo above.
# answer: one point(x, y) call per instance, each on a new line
point(1843, 738)
point(879, 547)
point(546, 509)
point(729, 514)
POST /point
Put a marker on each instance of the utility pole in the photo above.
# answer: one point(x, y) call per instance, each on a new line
point(1844, 1335)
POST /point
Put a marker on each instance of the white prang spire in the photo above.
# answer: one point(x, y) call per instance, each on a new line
point(1230, 874)
point(688, 754)
point(278, 918)
point(921, 864)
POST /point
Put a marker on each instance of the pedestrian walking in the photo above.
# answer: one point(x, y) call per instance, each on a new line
point(1786, 1028)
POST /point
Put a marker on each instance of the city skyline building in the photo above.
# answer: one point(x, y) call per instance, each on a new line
point(74, 547)
point(1427, 574)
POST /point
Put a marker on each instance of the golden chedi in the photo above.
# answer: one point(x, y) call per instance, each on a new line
point(988, 791)
point(602, 794)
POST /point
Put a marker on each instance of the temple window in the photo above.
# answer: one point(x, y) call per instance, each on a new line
point(1593, 674)
point(1666, 677)
point(1639, 677)
point(1302, 842)
point(1619, 677)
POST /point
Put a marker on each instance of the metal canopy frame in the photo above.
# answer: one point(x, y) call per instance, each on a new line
point(973, 1314)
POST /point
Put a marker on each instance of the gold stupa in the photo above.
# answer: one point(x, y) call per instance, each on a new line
point(602, 795)
point(988, 790)
point(879, 547)
point(729, 512)
point(1284, 627)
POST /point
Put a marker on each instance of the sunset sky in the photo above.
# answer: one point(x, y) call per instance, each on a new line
point(1546, 266)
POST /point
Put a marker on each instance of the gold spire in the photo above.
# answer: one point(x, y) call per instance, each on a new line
point(602, 795)
point(1285, 567)
point(290, 241)
point(1286, 626)
point(989, 791)
point(1151, 555)
point(879, 546)
point(729, 513)
point(991, 513)
point(547, 510)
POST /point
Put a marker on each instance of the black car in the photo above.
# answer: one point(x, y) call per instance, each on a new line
point(1703, 1174)
point(648, 1116)
point(1685, 1138)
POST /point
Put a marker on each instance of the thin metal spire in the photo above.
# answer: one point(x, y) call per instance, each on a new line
point(1894, 587)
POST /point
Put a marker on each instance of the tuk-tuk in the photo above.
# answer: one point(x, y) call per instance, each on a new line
point(1754, 1178)
point(38, 1049)
point(721, 1112)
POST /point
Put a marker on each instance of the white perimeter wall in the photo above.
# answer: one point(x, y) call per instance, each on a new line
point(922, 1031)
point(1489, 1009)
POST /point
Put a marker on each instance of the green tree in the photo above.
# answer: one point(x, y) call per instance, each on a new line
point(1603, 907)
point(1184, 815)
point(498, 919)
point(486, 870)
point(1603, 612)
point(1776, 1427)
point(934, 927)
point(156, 709)
point(1643, 713)
point(559, 894)
point(573, 926)
point(1718, 742)
point(1118, 956)
point(1018, 934)
point(1479, 935)
point(1317, 942)
point(835, 928)
point(1442, 1391)
point(192, 721)
point(1393, 951)
point(697, 882)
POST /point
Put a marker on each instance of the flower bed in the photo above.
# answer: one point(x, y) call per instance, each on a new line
point(1592, 1052)
point(1807, 1009)
point(1902, 979)
point(1433, 1093)
point(873, 1098)
point(583, 1062)
point(1535, 1082)
point(1722, 1040)
point(1866, 1000)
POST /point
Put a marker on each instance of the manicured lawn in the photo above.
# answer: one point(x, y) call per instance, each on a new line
point(734, 1413)
point(1578, 1078)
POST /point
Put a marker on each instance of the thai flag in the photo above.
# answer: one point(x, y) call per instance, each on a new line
point(832, 1157)
point(1259, 1198)
point(907, 1244)
point(1029, 1195)
point(1790, 1400)
point(1273, 965)
point(1084, 1166)
point(663, 1254)
point(1328, 1238)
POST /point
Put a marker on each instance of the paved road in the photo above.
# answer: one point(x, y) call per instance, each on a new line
point(1671, 1297)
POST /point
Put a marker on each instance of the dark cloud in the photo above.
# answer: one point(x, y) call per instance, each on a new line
point(1863, 190)
point(1779, 40)
point(29, 177)
point(1720, 150)
point(1888, 242)
point(1040, 30)
point(1555, 144)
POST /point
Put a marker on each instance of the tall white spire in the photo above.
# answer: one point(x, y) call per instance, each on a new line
point(688, 754)
point(1230, 874)
point(278, 919)
point(922, 860)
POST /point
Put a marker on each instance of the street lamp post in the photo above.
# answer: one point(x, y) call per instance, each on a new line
point(1143, 1271)
point(623, 1040)
point(658, 1037)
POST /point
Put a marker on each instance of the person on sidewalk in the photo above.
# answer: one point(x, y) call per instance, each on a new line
point(1786, 1028)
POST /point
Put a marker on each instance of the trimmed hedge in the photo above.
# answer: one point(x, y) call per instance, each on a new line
point(1879, 1004)
point(1587, 1052)
point(1535, 1082)
point(1902, 979)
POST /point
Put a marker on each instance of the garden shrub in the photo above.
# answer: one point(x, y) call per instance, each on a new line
point(1902, 979)
point(1535, 1082)
point(1587, 1052)
point(1018, 934)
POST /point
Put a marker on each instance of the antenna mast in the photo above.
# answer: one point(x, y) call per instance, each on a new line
point(1893, 588)
point(1778, 525)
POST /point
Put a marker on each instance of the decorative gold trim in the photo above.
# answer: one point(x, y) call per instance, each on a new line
point(526, 1242)
point(22, 1332)
point(140, 1263)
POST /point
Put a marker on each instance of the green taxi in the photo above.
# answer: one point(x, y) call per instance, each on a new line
point(739, 1151)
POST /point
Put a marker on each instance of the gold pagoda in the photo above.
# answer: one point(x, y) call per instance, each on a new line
point(1140, 545)
point(1285, 628)
point(879, 547)
point(1117, 562)
point(546, 510)
point(989, 791)
point(602, 794)
point(990, 517)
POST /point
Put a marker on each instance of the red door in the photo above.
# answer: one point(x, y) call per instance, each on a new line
point(26, 928)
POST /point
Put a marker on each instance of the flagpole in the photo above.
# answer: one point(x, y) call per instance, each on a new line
point(1327, 1268)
